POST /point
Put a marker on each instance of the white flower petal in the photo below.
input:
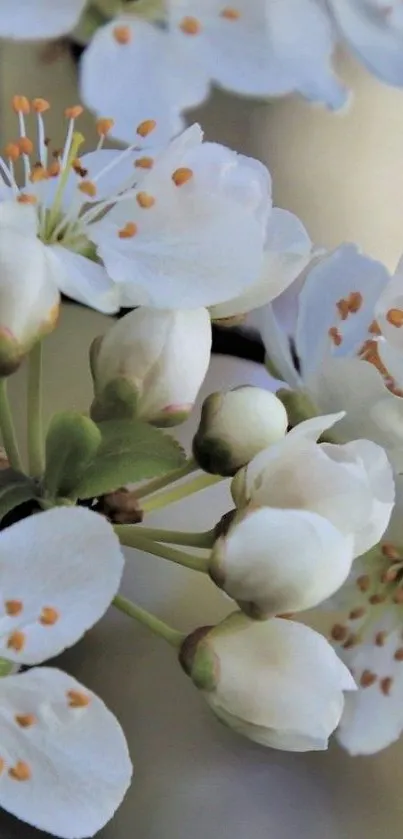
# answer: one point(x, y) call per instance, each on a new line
point(372, 31)
point(335, 278)
point(76, 756)
point(389, 309)
point(373, 717)
point(380, 483)
point(283, 560)
point(277, 345)
point(199, 243)
point(287, 251)
point(278, 676)
point(270, 49)
point(164, 78)
point(62, 568)
point(84, 280)
point(38, 18)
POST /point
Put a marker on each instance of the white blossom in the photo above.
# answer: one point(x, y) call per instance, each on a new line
point(63, 758)
point(276, 682)
point(162, 356)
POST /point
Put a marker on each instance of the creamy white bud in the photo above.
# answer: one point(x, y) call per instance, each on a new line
point(152, 363)
point(235, 426)
point(276, 682)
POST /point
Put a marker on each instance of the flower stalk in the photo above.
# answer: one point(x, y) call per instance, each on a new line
point(159, 627)
point(204, 539)
point(134, 539)
point(34, 423)
point(7, 429)
point(160, 483)
point(163, 499)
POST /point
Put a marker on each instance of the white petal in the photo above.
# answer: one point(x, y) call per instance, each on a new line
point(38, 18)
point(344, 272)
point(200, 243)
point(392, 358)
point(373, 717)
point(165, 80)
point(270, 49)
point(391, 299)
point(67, 562)
point(284, 560)
point(287, 251)
point(370, 30)
point(381, 484)
point(84, 280)
point(282, 676)
point(277, 345)
point(77, 756)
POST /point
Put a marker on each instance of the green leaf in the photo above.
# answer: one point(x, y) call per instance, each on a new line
point(71, 444)
point(15, 489)
point(130, 451)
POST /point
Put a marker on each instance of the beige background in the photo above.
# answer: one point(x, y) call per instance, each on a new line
point(193, 778)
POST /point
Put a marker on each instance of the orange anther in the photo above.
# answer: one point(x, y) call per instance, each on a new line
point(229, 13)
point(25, 198)
point(386, 685)
point(128, 231)
point(182, 176)
point(144, 163)
point(104, 126)
point(25, 145)
point(39, 173)
point(122, 34)
point(339, 632)
point(146, 127)
point(367, 679)
point(13, 607)
point(12, 151)
point(25, 720)
point(190, 26)
point(78, 699)
point(74, 111)
point(145, 200)
point(395, 317)
point(88, 188)
point(398, 656)
point(335, 336)
point(20, 104)
point(363, 582)
point(49, 616)
point(390, 551)
point(16, 641)
point(54, 169)
point(40, 105)
point(20, 772)
point(357, 613)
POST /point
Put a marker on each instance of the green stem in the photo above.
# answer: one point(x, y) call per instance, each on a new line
point(34, 419)
point(175, 475)
point(172, 636)
point(182, 491)
point(174, 537)
point(135, 540)
point(7, 429)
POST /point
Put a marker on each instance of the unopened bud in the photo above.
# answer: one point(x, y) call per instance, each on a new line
point(199, 660)
point(298, 405)
point(235, 426)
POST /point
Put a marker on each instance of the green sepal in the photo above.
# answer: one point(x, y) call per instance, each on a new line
point(130, 451)
point(117, 401)
point(71, 443)
point(6, 667)
point(15, 489)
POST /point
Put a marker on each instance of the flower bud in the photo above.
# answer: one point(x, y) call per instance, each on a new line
point(29, 298)
point(235, 426)
point(151, 364)
point(253, 675)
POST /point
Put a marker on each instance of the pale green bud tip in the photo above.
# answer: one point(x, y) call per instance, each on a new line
point(199, 660)
point(171, 415)
point(298, 405)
